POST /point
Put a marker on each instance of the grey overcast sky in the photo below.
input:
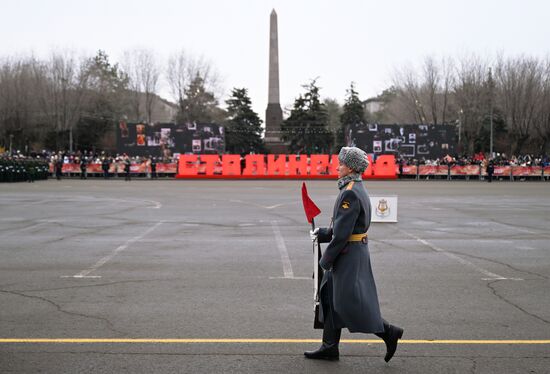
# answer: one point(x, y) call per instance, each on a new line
point(338, 41)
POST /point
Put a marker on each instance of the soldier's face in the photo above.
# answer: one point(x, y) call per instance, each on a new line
point(343, 170)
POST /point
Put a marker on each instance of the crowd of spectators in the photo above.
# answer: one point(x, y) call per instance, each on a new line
point(18, 166)
point(77, 156)
point(99, 157)
point(500, 159)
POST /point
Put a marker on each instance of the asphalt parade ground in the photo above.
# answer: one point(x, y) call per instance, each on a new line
point(215, 277)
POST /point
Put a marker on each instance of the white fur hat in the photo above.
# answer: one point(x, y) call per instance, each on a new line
point(354, 158)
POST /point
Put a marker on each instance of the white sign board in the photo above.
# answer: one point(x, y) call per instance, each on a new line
point(383, 208)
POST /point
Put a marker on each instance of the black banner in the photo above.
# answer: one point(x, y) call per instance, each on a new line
point(414, 141)
point(165, 139)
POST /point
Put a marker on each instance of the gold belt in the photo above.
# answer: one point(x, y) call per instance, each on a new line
point(357, 237)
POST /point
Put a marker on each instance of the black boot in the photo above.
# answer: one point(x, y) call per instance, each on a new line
point(325, 352)
point(329, 348)
point(390, 336)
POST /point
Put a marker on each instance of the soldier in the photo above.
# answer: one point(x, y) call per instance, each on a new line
point(12, 171)
point(3, 169)
point(6, 168)
point(490, 171)
point(348, 295)
point(153, 168)
point(30, 167)
point(83, 167)
point(105, 167)
point(42, 169)
point(127, 164)
point(58, 167)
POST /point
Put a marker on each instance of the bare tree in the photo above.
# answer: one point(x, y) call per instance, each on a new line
point(436, 86)
point(542, 124)
point(177, 74)
point(520, 90)
point(4, 102)
point(471, 95)
point(423, 97)
point(143, 72)
point(432, 79)
point(17, 102)
point(447, 71)
point(183, 69)
point(410, 107)
point(134, 84)
point(150, 72)
point(62, 86)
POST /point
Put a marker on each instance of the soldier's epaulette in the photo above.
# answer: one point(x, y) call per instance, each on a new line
point(350, 185)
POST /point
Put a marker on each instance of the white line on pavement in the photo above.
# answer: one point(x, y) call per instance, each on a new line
point(492, 241)
point(17, 231)
point(295, 278)
point(511, 227)
point(490, 275)
point(153, 204)
point(110, 256)
point(260, 206)
point(287, 266)
point(273, 206)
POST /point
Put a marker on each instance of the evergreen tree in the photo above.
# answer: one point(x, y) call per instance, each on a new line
point(306, 129)
point(352, 116)
point(334, 112)
point(105, 102)
point(199, 105)
point(244, 126)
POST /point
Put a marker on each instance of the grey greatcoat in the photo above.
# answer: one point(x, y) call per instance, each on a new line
point(348, 290)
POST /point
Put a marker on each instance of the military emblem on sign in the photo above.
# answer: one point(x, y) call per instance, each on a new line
point(382, 209)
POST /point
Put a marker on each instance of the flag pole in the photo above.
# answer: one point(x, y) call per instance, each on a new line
point(316, 280)
point(311, 211)
point(315, 268)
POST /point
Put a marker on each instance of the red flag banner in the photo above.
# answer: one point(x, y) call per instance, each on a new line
point(309, 206)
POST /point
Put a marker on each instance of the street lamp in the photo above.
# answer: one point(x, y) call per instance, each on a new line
point(460, 116)
point(71, 138)
point(420, 111)
point(491, 121)
point(491, 111)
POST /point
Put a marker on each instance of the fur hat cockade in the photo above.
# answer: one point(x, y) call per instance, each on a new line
point(354, 158)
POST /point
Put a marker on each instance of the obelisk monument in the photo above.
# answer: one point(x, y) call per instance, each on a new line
point(273, 113)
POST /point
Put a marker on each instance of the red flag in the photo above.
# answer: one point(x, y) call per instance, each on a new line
point(309, 206)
